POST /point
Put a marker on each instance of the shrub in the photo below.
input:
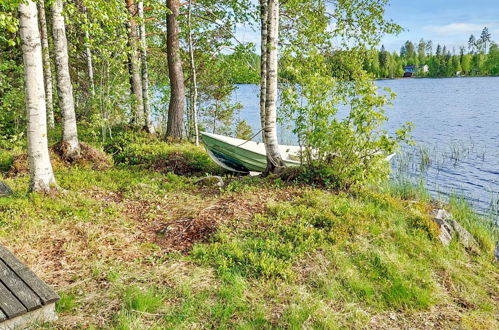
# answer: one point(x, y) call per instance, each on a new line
point(145, 150)
point(337, 111)
point(6, 160)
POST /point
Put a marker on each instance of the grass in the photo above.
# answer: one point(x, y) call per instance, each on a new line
point(280, 256)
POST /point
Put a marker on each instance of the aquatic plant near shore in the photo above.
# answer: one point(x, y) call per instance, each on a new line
point(428, 164)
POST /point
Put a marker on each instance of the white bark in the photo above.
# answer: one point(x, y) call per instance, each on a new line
point(134, 65)
point(145, 74)
point(274, 160)
point(71, 145)
point(47, 70)
point(88, 52)
point(194, 78)
point(90, 65)
point(41, 174)
point(263, 62)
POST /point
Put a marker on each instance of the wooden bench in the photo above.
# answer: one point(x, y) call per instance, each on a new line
point(24, 298)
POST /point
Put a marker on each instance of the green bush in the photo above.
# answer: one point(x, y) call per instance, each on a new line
point(338, 115)
point(6, 160)
point(140, 148)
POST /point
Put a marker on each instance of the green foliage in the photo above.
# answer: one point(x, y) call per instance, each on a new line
point(244, 67)
point(6, 160)
point(12, 101)
point(8, 23)
point(243, 130)
point(213, 24)
point(493, 60)
point(139, 148)
point(349, 150)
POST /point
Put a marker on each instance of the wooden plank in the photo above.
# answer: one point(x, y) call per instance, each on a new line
point(9, 304)
point(3, 317)
point(18, 288)
point(42, 290)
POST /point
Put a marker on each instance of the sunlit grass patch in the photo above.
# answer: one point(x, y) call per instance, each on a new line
point(67, 302)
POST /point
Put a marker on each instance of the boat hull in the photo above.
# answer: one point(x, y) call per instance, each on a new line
point(241, 156)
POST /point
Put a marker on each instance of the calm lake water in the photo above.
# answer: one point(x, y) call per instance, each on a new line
point(456, 131)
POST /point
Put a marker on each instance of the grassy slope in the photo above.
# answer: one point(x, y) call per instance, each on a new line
point(281, 257)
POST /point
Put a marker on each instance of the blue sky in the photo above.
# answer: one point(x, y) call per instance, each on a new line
point(446, 22)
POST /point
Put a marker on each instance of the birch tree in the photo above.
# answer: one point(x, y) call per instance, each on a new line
point(41, 174)
point(263, 62)
point(177, 85)
point(145, 74)
point(88, 52)
point(134, 64)
point(271, 31)
point(70, 142)
point(47, 70)
point(194, 77)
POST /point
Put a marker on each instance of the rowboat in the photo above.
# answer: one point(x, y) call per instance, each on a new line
point(242, 156)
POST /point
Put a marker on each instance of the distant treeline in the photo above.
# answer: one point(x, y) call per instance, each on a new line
point(480, 58)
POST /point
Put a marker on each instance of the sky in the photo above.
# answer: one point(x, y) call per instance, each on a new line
point(445, 22)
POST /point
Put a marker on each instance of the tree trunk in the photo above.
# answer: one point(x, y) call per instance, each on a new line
point(47, 70)
point(70, 143)
point(145, 74)
point(90, 66)
point(263, 62)
point(177, 87)
point(40, 168)
point(134, 65)
point(88, 51)
point(194, 79)
point(274, 159)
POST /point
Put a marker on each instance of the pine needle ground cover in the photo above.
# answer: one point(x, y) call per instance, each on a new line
point(134, 246)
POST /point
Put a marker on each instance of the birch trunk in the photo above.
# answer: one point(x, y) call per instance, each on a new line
point(175, 73)
point(134, 65)
point(263, 62)
point(47, 70)
point(90, 65)
point(88, 51)
point(145, 74)
point(274, 159)
point(40, 168)
point(70, 143)
point(194, 78)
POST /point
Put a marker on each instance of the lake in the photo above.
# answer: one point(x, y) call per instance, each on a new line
point(456, 133)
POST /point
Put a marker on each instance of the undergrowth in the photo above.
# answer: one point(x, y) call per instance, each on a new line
point(131, 148)
point(291, 257)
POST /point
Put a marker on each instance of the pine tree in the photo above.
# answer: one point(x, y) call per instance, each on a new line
point(484, 38)
point(438, 53)
point(176, 74)
point(472, 44)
